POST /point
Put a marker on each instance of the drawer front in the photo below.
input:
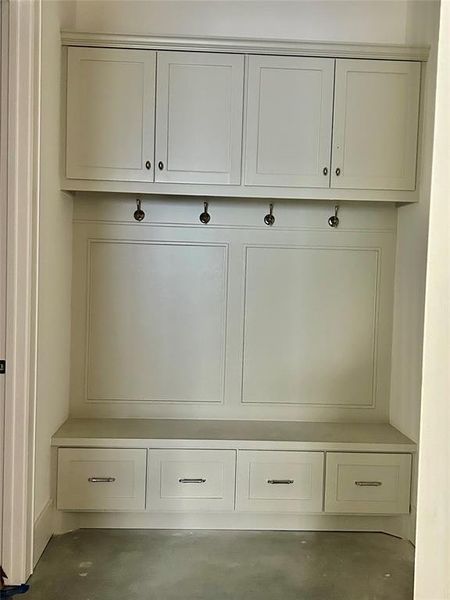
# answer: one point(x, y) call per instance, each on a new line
point(193, 480)
point(99, 479)
point(367, 483)
point(280, 481)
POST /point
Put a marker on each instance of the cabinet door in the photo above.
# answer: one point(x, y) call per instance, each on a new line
point(110, 114)
point(289, 121)
point(375, 124)
point(199, 117)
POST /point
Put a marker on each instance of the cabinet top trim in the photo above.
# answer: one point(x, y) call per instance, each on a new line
point(245, 46)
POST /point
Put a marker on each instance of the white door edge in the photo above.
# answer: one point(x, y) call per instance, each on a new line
point(22, 203)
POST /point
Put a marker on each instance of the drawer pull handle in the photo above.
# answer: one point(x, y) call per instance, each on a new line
point(102, 479)
point(198, 480)
point(280, 481)
point(368, 483)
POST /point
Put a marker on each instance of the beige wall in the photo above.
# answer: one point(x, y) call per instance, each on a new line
point(412, 228)
point(334, 20)
point(433, 518)
point(54, 257)
point(422, 27)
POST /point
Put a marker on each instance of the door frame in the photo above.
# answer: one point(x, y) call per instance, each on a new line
point(432, 575)
point(3, 216)
point(23, 64)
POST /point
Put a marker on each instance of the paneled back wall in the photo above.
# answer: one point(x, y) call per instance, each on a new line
point(234, 319)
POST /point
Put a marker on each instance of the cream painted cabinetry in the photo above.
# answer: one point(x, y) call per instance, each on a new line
point(367, 483)
point(192, 480)
point(110, 114)
point(289, 121)
point(376, 114)
point(244, 123)
point(280, 481)
point(199, 480)
point(239, 468)
point(107, 479)
point(290, 124)
point(199, 117)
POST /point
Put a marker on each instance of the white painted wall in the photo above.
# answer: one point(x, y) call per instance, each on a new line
point(55, 266)
point(412, 228)
point(333, 20)
point(433, 518)
point(422, 27)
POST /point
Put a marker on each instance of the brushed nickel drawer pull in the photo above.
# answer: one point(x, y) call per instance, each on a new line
point(368, 483)
point(102, 479)
point(280, 481)
point(187, 480)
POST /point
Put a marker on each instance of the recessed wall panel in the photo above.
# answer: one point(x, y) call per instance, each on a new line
point(156, 321)
point(310, 326)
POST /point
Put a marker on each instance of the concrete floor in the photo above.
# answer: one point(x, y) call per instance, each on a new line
point(223, 565)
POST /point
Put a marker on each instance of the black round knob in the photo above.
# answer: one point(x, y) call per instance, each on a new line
point(139, 214)
point(333, 221)
point(338, 171)
point(160, 165)
point(148, 165)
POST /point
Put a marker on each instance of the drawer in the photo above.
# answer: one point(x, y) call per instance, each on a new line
point(99, 479)
point(191, 480)
point(367, 483)
point(280, 481)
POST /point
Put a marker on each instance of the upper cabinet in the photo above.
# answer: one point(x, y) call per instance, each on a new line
point(289, 121)
point(110, 114)
point(376, 110)
point(228, 124)
point(199, 98)
point(291, 133)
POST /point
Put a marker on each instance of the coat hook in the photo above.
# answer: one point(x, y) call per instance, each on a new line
point(269, 219)
point(139, 214)
point(205, 217)
point(333, 221)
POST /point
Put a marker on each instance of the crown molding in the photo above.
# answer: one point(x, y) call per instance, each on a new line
point(245, 46)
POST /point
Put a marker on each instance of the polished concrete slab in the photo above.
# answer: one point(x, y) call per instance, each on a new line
point(223, 565)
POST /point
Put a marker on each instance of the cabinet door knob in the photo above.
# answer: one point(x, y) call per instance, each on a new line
point(160, 165)
point(148, 165)
point(338, 171)
point(325, 170)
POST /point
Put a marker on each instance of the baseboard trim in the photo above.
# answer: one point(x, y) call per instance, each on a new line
point(393, 525)
point(43, 530)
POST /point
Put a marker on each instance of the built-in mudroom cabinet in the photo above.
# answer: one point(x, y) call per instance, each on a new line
point(234, 268)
